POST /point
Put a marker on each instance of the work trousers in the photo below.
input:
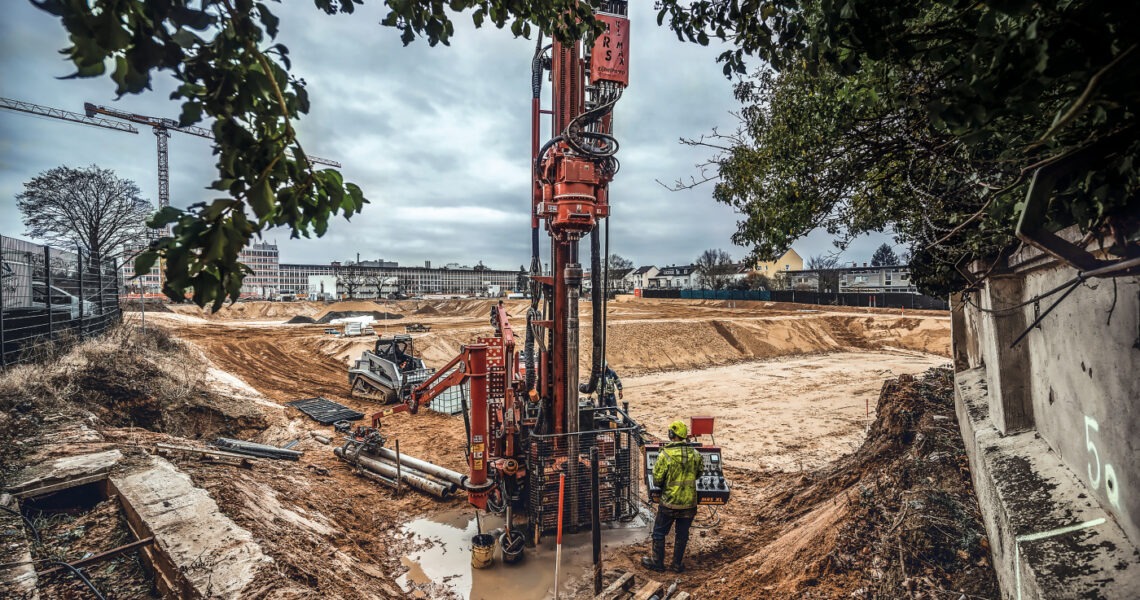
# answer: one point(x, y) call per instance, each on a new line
point(667, 516)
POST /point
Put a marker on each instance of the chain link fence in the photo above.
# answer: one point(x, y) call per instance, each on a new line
point(51, 297)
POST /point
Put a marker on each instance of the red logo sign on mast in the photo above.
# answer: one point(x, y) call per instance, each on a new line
point(609, 59)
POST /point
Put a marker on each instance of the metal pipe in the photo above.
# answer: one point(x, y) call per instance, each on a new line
point(390, 472)
point(477, 485)
point(399, 469)
point(453, 477)
point(573, 275)
point(406, 470)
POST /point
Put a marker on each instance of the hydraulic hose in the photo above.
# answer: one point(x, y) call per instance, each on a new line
point(596, 295)
point(536, 66)
point(81, 577)
point(528, 349)
point(604, 333)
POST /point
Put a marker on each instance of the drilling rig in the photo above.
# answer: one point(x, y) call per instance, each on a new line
point(530, 422)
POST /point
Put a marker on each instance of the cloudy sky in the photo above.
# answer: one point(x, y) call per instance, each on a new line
point(438, 138)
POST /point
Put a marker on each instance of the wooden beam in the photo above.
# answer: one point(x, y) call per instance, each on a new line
point(622, 584)
point(680, 596)
point(173, 448)
point(650, 589)
point(63, 485)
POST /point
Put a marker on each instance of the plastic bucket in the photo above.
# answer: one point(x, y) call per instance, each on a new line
point(482, 550)
point(513, 547)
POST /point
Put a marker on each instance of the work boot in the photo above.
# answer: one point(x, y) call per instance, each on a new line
point(657, 563)
point(678, 565)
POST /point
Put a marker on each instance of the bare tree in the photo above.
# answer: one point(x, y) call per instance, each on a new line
point(714, 269)
point(826, 267)
point(752, 281)
point(377, 280)
point(619, 268)
point(350, 278)
point(91, 208)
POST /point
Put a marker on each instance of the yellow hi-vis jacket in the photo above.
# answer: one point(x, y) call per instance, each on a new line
point(676, 472)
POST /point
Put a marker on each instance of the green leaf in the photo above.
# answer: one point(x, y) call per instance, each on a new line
point(261, 199)
point(144, 262)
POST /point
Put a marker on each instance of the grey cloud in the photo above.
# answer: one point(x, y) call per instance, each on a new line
point(438, 138)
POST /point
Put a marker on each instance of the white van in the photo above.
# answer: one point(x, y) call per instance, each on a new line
point(60, 301)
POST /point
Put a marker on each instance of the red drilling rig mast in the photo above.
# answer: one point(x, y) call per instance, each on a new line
point(528, 423)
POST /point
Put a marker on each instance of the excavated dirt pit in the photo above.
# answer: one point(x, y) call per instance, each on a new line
point(792, 391)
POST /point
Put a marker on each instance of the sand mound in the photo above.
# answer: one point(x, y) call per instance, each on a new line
point(640, 346)
point(338, 314)
point(250, 311)
point(426, 310)
point(149, 305)
point(300, 319)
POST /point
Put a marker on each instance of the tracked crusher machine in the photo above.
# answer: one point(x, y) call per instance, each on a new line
point(530, 422)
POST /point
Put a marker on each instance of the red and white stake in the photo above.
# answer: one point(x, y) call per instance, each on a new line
point(558, 546)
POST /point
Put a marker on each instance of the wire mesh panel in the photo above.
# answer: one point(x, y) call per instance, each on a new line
point(50, 296)
point(550, 456)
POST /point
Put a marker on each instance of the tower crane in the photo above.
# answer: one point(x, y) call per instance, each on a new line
point(162, 128)
point(63, 115)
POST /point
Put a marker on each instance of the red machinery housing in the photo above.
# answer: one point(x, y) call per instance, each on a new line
point(528, 422)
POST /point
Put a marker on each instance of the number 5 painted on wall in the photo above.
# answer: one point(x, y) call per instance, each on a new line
point(1091, 423)
point(1111, 485)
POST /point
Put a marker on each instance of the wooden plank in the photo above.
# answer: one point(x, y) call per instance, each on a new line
point(680, 596)
point(648, 590)
point(219, 453)
point(63, 485)
point(622, 584)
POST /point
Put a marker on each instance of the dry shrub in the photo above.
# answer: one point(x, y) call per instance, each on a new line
point(128, 377)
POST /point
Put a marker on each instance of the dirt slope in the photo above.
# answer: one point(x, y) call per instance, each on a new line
point(895, 519)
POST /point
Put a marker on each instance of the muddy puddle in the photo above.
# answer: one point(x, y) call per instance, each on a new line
point(441, 565)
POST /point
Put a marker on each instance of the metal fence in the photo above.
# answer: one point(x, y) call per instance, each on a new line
point(550, 456)
point(50, 297)
point(876, 299)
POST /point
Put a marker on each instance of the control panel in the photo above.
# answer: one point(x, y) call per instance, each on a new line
point(712, 487)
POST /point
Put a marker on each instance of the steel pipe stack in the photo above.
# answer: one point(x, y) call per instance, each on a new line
point(388, 473)
point(409, 462)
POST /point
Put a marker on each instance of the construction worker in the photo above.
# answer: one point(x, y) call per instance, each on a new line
point(676, 471)
point(611, 385)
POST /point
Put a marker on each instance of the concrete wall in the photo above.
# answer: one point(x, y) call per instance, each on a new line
point(1072, 383)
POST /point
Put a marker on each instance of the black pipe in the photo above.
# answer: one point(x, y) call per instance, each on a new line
point(606, 298)
point(82, 578)
point(31, 525)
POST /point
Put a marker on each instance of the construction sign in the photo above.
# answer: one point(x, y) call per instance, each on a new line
point(609, 59)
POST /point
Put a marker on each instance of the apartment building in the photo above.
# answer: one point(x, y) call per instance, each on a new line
point(674, 277)
point(452, 279)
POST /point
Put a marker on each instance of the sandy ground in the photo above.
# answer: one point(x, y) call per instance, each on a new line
point(787, 414)
point(788, 386)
